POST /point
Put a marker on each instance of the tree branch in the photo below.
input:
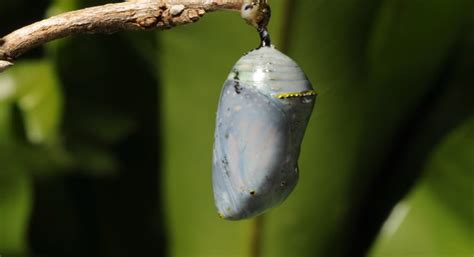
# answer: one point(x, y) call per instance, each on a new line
point(109, 18)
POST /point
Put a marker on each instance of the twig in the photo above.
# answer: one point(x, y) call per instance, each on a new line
point(256, 243)
point(109, 18)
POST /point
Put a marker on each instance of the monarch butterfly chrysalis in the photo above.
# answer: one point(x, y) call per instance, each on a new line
point(264, 108)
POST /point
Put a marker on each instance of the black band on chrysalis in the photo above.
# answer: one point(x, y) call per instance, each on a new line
point(264, 37)
point(262, 26)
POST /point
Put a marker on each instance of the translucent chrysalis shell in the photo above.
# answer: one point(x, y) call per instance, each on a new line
point(264, 108)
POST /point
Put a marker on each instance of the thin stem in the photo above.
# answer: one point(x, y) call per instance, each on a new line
point(256, 243)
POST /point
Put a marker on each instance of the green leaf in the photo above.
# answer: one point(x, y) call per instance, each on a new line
point(34, 86)
point(437, 218)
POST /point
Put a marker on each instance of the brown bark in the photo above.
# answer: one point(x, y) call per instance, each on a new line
point(109, 18)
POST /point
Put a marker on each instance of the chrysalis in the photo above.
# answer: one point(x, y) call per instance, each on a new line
point(263, 111)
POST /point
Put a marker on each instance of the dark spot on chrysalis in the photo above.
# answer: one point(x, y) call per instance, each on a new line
point(264, 37)
point(236, 76)
point(225, 163)
point(237, 87)
point(252, 193)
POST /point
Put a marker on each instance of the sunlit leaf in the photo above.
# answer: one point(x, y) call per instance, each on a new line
point(437, 219)
point(33, 87)
point(39, 98)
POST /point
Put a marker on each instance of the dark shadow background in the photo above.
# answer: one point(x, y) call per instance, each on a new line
point(110, 111)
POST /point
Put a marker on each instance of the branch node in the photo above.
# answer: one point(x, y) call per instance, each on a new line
point(195, 14)
point(176, 10)
point(147, 22)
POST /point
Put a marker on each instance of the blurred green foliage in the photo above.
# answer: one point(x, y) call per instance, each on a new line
point(106, 141)
point(436, 219)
